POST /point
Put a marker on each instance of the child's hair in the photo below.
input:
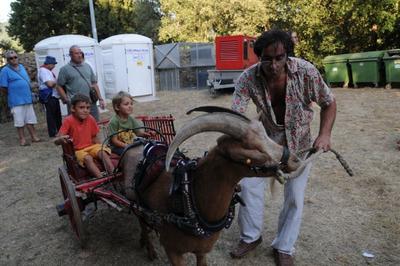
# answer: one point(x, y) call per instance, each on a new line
point(117, 99)
point(79, 97)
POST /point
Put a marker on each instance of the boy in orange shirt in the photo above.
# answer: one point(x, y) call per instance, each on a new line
point(82, 128)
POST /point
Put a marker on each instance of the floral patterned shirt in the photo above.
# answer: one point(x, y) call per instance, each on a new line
point(304, 85)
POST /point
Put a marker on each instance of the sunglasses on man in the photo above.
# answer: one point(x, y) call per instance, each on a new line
point(12, 57)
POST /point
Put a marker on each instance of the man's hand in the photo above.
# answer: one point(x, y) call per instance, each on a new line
point(101, 100)
point(64, 100)
point(328, 114)
point(322, 142)
point(61, 139)
point(63, 95)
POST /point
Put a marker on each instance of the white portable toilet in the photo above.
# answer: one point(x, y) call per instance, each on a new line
point(128, 65)
point(58, 47)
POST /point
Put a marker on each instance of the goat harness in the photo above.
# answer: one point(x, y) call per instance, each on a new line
point(182, 206)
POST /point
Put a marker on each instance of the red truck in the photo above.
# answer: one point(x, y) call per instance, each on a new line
point(233, 54)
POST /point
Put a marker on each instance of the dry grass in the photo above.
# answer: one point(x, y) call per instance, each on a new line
point(343, 215)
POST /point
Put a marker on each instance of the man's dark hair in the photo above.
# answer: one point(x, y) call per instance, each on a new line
point(272, 37)
point(79, 97)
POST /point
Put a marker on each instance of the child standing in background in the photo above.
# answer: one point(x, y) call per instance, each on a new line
point(123, 123)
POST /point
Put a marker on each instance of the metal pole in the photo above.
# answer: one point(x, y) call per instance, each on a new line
point(93, 20)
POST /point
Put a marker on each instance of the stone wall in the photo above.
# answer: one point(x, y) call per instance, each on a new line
point(28, 60)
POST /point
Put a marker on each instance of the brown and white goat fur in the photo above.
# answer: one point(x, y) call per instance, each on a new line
point(244, 144)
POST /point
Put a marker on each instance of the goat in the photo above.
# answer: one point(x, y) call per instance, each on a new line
point(244, 146)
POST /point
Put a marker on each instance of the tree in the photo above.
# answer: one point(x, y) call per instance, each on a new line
point(31, 22)
point(307, 18)
point(147, 18)
point(337, 26)
point(117, 17)
point(6, 42)
point(202, 20)
point(325, 27)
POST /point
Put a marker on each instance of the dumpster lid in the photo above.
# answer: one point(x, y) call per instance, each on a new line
point(392, 53)
point(366, 56)
point(340, 58)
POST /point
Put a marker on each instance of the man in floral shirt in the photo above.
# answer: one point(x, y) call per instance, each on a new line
point(283, 89)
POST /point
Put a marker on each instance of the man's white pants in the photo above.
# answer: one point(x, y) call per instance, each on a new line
point(251, 217)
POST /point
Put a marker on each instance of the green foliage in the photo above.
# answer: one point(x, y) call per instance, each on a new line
point(30, 22)
point(325, 27)
point(148, 18)
point(34, 20)
point(202, 20)
point(6, 42)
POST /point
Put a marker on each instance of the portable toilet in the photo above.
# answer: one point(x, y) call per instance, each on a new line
point(58, 47)
point(128, 65)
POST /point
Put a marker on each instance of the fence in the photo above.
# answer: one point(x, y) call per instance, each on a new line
point(183, 65)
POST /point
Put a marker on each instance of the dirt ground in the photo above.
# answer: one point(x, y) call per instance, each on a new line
point(343, 216)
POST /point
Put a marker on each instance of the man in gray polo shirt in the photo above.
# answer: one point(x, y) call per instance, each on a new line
point(77, 77)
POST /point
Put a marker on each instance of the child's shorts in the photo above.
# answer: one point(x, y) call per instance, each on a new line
point(92, 150)
point(23, 114)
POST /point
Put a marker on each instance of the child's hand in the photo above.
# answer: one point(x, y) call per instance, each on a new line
point(102, 104)
point(61, 139)
point(149, 134)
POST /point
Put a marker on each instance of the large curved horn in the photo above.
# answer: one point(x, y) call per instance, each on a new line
point(226, 123)
point(214, 109)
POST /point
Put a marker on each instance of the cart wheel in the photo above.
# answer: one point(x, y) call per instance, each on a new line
point(213, 92)
point(388, 86)
point(72, 206)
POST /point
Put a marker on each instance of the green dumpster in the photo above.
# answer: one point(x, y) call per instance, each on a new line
point(365, 67)
point(336, 70)
point(391, 60)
